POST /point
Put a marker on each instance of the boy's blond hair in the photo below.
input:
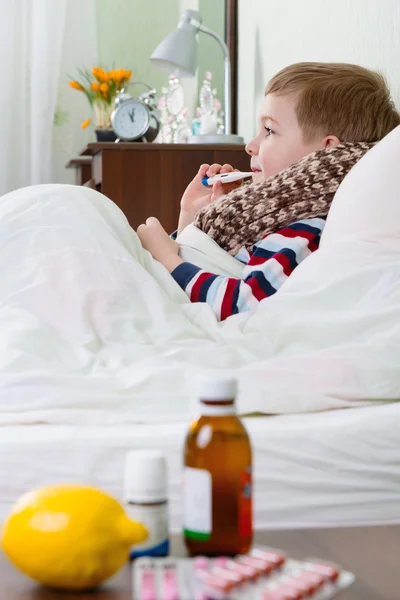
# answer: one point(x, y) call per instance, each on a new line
point(339, 99)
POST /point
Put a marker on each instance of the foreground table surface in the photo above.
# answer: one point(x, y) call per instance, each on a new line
point(372, 553)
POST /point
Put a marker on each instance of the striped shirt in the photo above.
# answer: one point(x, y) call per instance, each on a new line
point(268, 264)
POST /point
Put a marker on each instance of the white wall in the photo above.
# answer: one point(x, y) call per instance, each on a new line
point(277, 33)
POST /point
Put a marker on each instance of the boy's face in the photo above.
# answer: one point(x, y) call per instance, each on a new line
point(279, 142)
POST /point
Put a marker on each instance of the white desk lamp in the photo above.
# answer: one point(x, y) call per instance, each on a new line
point(177, 54)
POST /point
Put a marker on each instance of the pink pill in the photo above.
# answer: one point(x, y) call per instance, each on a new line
point(324, 570)
point(170, 585)
point(290, 592)
point(214, 581)
point(305, 586)
point(275, 595)
point(313, 578)
point(262, 566)
point(148, 585)
point(250, 573)
point(236, 578)
point(276, 558)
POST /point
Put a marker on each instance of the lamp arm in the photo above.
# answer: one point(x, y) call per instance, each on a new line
point(227, 77)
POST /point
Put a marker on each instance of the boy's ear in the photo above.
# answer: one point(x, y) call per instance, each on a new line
point(330, 140)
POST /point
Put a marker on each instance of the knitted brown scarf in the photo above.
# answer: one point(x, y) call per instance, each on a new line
point(302, 191)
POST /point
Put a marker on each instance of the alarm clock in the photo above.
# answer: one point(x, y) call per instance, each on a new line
point(135, 119)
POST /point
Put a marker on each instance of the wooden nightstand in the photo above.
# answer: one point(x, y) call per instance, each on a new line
point(148, 180)
point(83, 169)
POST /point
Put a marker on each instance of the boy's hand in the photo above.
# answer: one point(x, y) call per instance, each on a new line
point(197, 196)
point(156, 240)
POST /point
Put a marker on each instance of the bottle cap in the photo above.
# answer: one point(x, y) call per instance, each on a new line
point(212, 387)
point(145, 476)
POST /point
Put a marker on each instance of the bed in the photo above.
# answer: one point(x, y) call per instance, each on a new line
point(311, 470)
point(99, 348)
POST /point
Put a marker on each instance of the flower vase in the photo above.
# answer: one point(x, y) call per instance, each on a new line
point(102, 113)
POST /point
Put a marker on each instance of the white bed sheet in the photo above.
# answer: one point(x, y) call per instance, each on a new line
point(311, 470)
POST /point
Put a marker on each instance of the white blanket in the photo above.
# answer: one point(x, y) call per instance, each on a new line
point(92, 328)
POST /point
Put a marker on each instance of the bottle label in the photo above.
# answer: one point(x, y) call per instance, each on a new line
point(155, 519)
point(245, 504)
point(197, 504)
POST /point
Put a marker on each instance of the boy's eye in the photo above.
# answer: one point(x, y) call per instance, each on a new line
point(268, 130)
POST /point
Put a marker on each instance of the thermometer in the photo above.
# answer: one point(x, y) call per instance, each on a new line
point(225, 177)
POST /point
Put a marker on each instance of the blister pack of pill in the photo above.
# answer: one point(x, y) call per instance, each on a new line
point(263, 574)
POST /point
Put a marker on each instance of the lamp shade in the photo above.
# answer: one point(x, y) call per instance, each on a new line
point(177, 53)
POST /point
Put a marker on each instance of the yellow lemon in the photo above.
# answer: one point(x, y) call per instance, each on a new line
point(69, 536)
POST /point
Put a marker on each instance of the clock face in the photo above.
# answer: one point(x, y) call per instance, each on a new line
point(130, 120)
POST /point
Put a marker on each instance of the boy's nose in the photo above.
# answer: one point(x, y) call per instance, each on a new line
point(252, 147)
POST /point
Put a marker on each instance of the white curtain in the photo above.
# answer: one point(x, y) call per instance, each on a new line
point(80, 49)
point(31, 36)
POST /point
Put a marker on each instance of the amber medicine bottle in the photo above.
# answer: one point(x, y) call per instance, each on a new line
point(217, 477)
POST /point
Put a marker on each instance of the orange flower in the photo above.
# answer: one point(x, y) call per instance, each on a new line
point(86, 123)
point(127, 74)
point(76, 85)
point(95, 86)
point(114, 76)
point(104, 87)
point(99, 73)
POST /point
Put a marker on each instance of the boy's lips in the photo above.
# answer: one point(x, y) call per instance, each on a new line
point(255, 170)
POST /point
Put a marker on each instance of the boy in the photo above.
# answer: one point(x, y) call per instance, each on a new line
point(317, 120)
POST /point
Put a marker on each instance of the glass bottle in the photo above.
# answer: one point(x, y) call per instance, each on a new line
point(206, 96)
point(217, 481)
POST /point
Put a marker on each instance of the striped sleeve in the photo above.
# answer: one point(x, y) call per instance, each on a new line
point(270, 262)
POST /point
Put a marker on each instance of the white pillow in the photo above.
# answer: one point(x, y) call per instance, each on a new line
point(367, 204)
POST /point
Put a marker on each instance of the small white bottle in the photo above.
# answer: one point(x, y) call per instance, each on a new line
point(146, 499)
